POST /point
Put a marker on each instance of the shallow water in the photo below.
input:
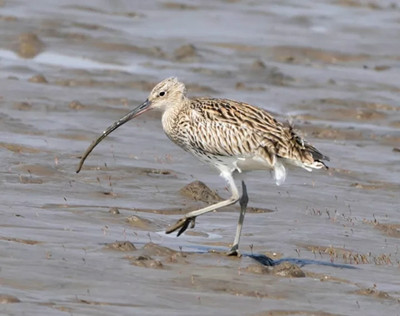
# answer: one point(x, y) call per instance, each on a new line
point(331, 67)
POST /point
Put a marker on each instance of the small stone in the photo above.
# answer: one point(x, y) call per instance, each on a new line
point(76, 105)
point(157, 250)
point(121, 246)
point(287, 269)
point(186, 53)
point(29, 45)
point(22, 106)
point(382, 67)
point(198, 191)
point(258, 269)
point(138, 222)
point(8, 18)
point(258, 65)
point(240, 86)
point(146, 262)
point(38, 79)
point(114, 211)
point(6, 299)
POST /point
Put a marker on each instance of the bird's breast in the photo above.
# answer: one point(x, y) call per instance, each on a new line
point(176, 126)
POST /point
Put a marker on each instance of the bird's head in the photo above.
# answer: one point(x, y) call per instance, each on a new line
point(166, 93)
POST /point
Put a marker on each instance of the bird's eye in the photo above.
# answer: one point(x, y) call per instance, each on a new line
point(162, 93)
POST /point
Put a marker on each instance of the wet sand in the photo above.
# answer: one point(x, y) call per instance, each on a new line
point(93, 243)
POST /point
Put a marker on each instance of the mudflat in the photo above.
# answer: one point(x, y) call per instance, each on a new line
point(93, 243)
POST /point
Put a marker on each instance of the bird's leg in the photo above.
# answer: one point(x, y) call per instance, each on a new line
point(234, 251)
point(190, 217)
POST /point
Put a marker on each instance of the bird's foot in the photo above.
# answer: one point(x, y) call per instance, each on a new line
point(234, 251)
point(183, 224)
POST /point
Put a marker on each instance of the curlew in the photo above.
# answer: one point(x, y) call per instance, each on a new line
point(232, 136)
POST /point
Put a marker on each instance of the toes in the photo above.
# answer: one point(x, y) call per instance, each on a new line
point(182, 225)
point(177, 225)
point(234, 251)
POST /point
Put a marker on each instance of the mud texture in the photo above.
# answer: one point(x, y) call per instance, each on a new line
point(324, 243)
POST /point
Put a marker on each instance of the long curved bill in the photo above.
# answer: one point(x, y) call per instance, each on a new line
point(132, 114)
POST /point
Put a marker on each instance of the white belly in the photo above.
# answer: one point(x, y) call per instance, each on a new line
point(252, 163)
point(229, 164)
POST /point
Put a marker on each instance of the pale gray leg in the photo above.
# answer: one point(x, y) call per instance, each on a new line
point(189, 218)
point(234, 251)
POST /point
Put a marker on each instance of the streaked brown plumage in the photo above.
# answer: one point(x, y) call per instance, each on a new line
point(232, 136)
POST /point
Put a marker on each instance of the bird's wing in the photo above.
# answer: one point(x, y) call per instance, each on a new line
point(230, 128)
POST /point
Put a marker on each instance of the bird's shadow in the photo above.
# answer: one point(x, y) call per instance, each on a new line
point(267, 261)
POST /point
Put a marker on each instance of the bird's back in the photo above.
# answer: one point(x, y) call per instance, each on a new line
point(226, 129)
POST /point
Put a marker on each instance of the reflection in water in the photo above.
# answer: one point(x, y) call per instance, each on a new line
point(65, 61)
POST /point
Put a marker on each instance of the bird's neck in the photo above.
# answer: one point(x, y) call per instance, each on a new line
point(171, 115)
